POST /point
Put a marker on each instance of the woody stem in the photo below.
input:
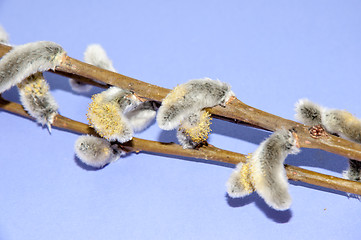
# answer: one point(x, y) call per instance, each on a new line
point(209, 153)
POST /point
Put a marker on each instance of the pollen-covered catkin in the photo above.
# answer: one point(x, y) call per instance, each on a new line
point(106, 114)
point(240, 183)
point(264, 171)
point(95, 151)
point(24, 60)
point(191, 97)
point(194, 129)
point(37, 100)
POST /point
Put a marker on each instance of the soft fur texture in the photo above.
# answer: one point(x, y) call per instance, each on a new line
point(185, 140)
point(342, 123)
point(354, 171)
point(335, 121)
point(37, 100)
point(194, 129)
point(308, 112)
point(116, 113)
point(94, 55)
point(106, 114)
point(95, 151)
point(191, 97)
point(349, 127)
point(24, 60)
point(35, 95)
point(240, 182)
point(265, 171)
point(142, 116)
point(269, 175)
point(132, 115)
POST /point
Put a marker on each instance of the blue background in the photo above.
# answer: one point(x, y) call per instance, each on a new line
point(271, 52)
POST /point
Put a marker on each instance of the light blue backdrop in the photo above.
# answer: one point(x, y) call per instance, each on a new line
point(271, 52)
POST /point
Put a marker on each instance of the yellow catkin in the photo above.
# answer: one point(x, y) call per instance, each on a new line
point(104, 117)
point(200, 132)
point(246, 177)
point(34, 85)
point(175, 95)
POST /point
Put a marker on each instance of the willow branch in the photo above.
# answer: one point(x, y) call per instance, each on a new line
point(235, 111)
point(209, 153)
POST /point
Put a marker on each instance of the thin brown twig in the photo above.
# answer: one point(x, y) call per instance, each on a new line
point(235, 111)
point(209, 153)
point(4, 49)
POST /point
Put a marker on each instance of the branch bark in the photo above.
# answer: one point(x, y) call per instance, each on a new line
point(235, 111)
point(209, 153)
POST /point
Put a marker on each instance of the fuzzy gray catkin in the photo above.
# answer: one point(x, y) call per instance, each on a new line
point(142, 116)
point(342, 123)
point(191, 97)
point(335, 121)
point(194, 129)
point(354, 170)
point(35, 96)
point(95, 151)
point(308, 112)
point(37, 100)
point(24, 60)
point(264, 171)
point(183, 108)
point(94, 55)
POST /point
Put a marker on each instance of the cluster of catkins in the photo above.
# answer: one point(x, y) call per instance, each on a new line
point(264, 172)
point(116, 114)
point(23, 66)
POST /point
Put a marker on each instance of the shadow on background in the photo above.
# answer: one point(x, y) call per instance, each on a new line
point(318, 159)
point(57, 82)
point(318, 188)
point(85, 166)
point(274, 215)
point(237, 131)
